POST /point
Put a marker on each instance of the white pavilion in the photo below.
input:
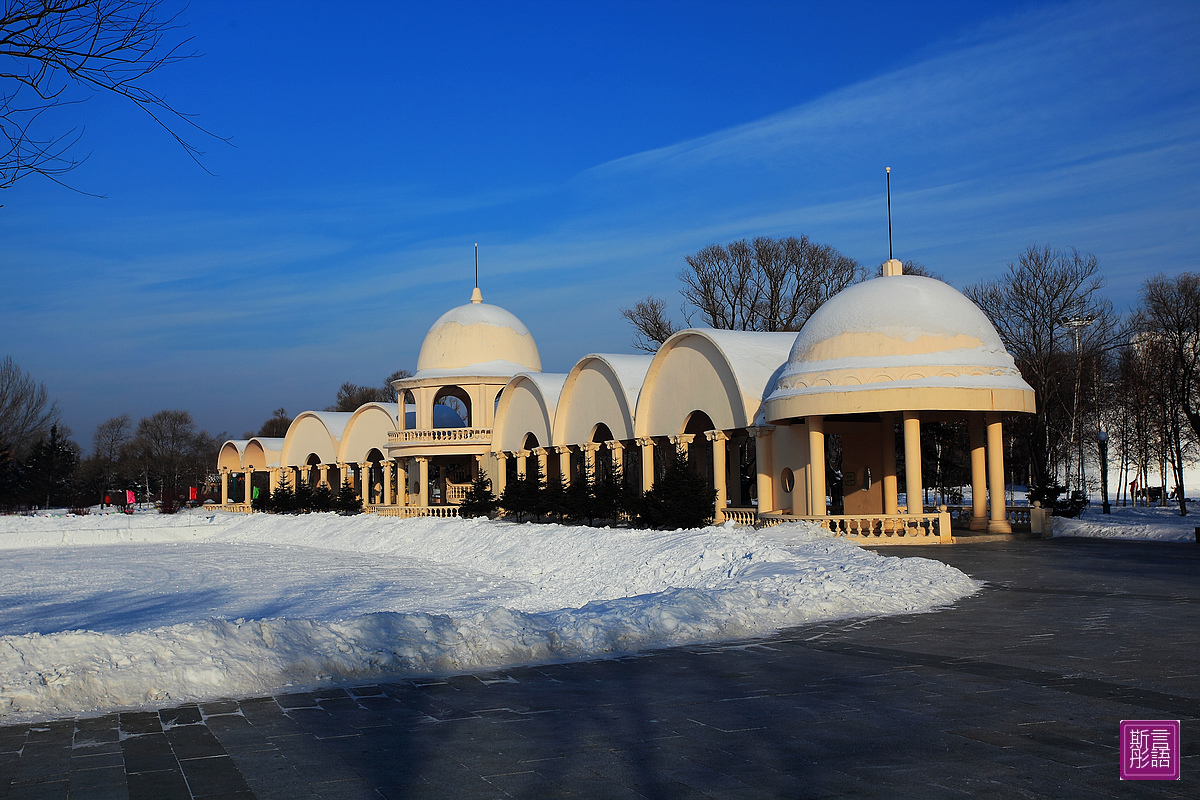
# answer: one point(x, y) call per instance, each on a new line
point(751, 410)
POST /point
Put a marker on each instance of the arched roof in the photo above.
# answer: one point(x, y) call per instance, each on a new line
point(230, 456)
point(601, 387)
point(900, 342)
point(527, 405)
point(366, 430)
point(725, 374)
point(477, 339)
point(314, 432)
point(262, 452)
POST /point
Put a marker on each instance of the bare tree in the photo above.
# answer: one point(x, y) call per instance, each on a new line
point(1039, 306)
point(351, 396)
point(764, 285)
point(277, 426)
point(650, 323)
point(111, 436)
point(26, 411)
point(1168, 320)
point(57, 51)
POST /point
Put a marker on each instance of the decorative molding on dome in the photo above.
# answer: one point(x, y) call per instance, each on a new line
point(851, 378)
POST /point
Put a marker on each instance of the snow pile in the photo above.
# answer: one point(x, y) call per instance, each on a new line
point(265, 602)
point(1150, 524)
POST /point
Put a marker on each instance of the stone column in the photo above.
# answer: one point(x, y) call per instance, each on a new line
point(224, 486)
point(647, 445)
point(386, 469)
point(816, 465)
point(543, 459)
point(912, 462)
point(683, 444)
point(564, 464)
point(249, 483)
point(273, 479)
point(402, 481)
point(979, 511)
point(618, 456)
point(891, 499)
point(998, 522)
point(718, 439)
point(364, 484)
point(323, 480)
point(422, 481)
point(589, 459)
point(522, 463)
point(764, 466)
point(500, 479)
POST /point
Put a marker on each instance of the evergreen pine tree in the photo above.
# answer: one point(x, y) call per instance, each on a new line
point(347, 501)
point(48, 470)
point(322, 498)
point(479, 501)
point(304, 497)
point(680, 498)
point(283, 500)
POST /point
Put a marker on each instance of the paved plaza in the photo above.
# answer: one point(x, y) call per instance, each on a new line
point(1015, 692)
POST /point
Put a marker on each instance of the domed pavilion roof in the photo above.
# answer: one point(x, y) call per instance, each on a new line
point(477, 339)
point(900, 342)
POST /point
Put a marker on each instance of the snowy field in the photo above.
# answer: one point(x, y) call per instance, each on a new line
point(1148, 524)
point(107, 612)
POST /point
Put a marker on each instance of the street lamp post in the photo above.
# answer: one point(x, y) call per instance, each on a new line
point(1102, 438)
point(1077, 324)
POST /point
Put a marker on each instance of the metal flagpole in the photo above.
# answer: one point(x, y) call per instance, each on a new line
point(888, 171)
point(477, 265)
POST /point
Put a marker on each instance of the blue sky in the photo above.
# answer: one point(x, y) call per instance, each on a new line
point(588, 149)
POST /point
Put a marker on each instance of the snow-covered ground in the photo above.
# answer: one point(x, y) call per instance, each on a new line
point(105, 612)
point(1155, 523)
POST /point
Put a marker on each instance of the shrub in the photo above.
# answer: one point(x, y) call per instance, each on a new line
point(680, 498)
point(347, 501)
point(479, 500)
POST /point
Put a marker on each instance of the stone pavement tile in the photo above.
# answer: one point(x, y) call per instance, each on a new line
point(99, 782)
point(13, 739)
point(180, 715)
point(296, 700)
point(149, 752)
point(194, 741)
point(215, 776)
point(271, 776)
point(135, 722)
point(219, 707)
point(42, 790)
point(95, 758)
point(158, 785)
point(527, 783)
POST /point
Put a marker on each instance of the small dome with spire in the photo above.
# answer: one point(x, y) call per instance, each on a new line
point(478, 338)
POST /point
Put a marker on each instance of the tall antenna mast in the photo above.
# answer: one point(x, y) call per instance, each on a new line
point(477, 261)
point(888, 170)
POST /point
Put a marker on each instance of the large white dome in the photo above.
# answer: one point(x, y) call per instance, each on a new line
point(900, 332)
point(478, 339)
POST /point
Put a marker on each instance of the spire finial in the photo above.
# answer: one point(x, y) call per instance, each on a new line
point(477, 265)
point(888, 172)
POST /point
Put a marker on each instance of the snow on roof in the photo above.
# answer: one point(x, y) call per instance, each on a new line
point(756, 357)
point(630, 371)
point(481, 314)
point(549, 384)
point(334, 421)
point(901, 307)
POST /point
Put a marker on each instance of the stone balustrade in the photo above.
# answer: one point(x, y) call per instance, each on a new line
point(456, 492)
point(237, 508)
point(742, 516)
point(406, 512)
point(441, 435)
point(877, 528)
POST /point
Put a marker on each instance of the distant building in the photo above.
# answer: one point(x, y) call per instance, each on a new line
point(751, 409)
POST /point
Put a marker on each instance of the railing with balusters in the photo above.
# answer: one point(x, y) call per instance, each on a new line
point(876, 528)
point(407, 512)
point(441, 435)
point(742, 516)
